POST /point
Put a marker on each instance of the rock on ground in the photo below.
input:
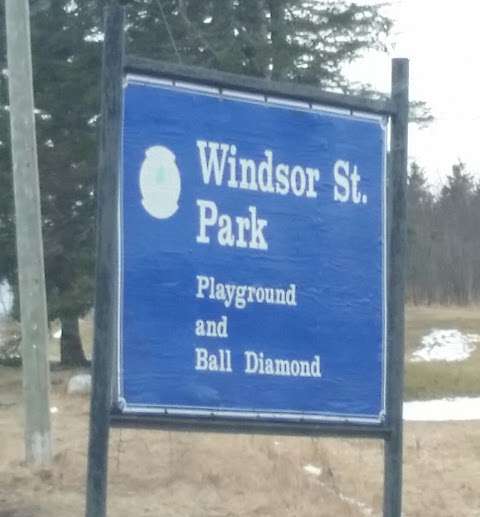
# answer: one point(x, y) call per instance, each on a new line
point(80, 384)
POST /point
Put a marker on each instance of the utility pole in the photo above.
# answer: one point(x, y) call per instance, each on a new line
point(31, 273)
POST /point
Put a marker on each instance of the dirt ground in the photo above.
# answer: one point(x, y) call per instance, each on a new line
point(158, 474)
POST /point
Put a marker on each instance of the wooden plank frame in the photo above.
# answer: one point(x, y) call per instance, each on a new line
point(103, 412)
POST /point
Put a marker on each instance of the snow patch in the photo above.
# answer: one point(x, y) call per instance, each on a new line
point(6, 298)
point(362, 507)
point(311, 469)
point(446, 345)
point(442, 410)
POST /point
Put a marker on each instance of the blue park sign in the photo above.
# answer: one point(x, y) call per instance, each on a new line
point(252, 257)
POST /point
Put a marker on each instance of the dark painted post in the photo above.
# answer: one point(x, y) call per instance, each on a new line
point(397, 183)
point(107, 260)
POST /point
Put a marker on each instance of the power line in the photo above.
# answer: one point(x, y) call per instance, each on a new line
point(170, 35)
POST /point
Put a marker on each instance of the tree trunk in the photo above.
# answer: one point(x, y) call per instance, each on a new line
point(280, 55)
point(71, 351)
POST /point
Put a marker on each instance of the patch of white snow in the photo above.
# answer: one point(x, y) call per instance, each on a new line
point(442, 410)
point(311, 469)
point(446, 345)
point(363, 508)
point(6, 298)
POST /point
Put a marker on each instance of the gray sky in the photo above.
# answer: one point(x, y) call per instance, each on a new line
point(442, 41)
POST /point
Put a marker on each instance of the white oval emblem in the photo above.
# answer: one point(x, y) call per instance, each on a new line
point(160, 182)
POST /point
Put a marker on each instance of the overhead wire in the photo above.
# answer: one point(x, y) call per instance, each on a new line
point(169, 32)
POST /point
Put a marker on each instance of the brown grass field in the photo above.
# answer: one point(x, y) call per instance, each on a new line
point(157, 474)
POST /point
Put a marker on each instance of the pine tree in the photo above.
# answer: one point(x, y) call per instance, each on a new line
point(7, 224)
point(454, 214)
point(302, 40)
point(419, 236)
point(299, 40)
point(65, 67)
